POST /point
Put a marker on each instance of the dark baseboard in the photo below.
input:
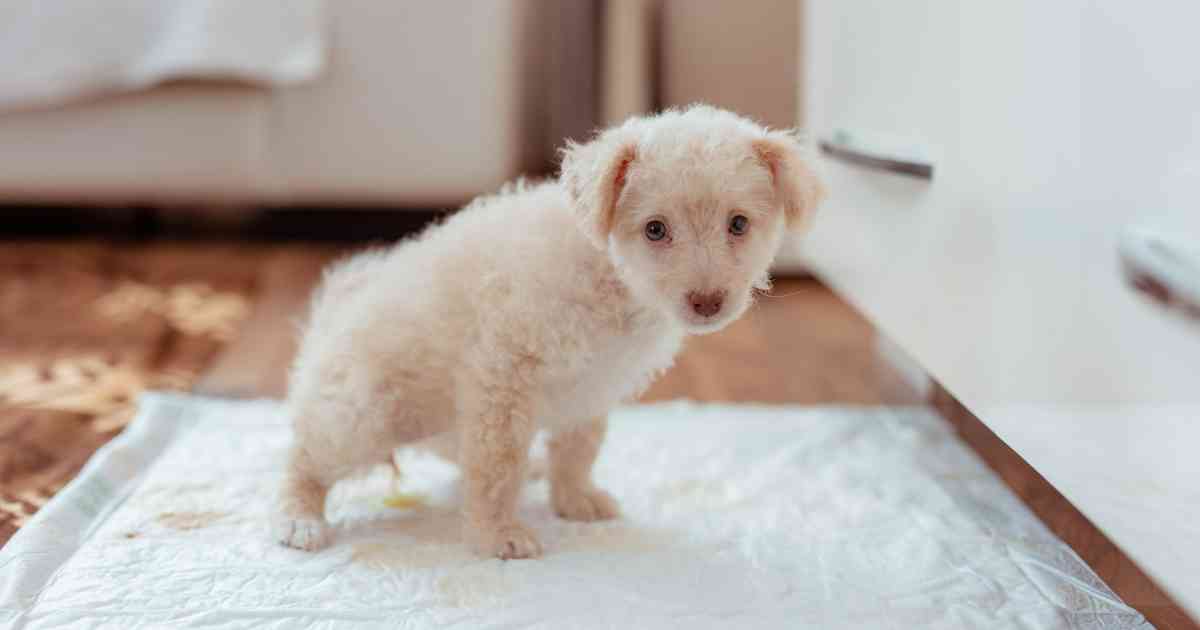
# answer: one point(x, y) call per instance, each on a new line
point(318, 224)
point(42, 222)
point(339, 224)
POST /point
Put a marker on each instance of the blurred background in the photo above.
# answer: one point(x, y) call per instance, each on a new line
point(1012, 235)
point(221, 112)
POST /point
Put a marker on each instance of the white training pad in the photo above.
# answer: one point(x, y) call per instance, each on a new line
point(735, 516)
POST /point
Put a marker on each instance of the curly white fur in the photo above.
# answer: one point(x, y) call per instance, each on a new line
point(540, 307)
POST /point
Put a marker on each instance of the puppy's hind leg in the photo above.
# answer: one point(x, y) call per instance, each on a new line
point(299, 520)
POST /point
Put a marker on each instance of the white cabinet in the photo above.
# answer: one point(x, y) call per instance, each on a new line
point(1054, 126)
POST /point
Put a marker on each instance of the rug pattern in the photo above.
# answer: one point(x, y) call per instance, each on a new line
point(84, 328)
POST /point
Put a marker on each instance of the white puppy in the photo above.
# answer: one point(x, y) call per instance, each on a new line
point(539, 308)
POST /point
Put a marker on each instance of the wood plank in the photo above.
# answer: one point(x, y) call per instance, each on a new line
point(256, 364)
point(800, 344)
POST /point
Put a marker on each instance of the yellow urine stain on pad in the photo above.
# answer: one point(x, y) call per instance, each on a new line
point(404, 500)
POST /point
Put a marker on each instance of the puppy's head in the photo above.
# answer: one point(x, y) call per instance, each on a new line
point(691, 206)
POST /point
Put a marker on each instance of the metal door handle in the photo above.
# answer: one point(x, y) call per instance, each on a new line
point(1162, 268)
point(861, 149)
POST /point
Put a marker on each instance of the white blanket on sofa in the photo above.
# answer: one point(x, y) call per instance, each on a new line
point(54, 51)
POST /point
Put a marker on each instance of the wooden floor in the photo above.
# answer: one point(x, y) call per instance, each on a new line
point(801, 345)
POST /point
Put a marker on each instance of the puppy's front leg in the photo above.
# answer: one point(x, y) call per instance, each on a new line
point(493, 455)
point(572, 452)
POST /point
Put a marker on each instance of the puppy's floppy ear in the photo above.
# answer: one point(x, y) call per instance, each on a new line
point(594, 175)
point(797, 187)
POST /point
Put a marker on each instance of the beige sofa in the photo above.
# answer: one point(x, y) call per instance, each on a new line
point(422, 104)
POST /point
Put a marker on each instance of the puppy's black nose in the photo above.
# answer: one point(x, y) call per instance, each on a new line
point(706, 304)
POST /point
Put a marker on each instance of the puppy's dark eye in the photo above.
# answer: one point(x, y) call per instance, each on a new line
point(656, 230)
point(738, 225)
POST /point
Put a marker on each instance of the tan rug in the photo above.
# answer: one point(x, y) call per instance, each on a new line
point(84, 328)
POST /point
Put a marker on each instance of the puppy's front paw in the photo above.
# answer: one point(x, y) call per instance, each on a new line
point(307, 534)
point(584, 504)
point(507, 542)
